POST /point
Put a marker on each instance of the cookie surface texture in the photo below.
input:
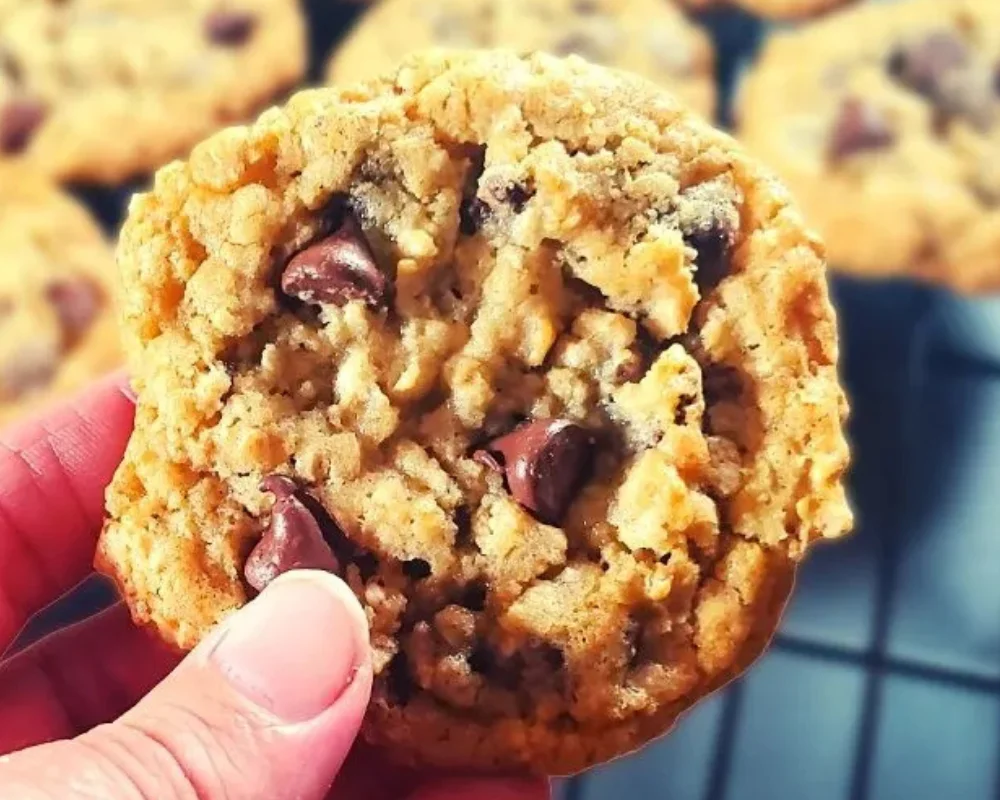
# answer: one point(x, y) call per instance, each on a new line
point(888, 132)
point(57, 321)
point(531, 356)
point(101, 90)
point(649, 37)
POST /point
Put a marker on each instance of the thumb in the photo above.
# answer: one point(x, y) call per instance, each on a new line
point(267, 706)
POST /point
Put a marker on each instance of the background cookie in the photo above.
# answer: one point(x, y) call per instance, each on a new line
point(777, 9)
point(648, 37)
point(885, 121)
point(57, 327)
point(550, 380)
point(98, 90)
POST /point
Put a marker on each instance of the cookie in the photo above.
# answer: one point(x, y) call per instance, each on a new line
point(531, 356)
point(888, 132)
point(649, 37)
point(101, 90)
point(57, 326)
point(774, 9)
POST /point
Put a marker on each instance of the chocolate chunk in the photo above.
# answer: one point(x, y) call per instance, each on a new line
point(416, 569)
point(545, 462)
point(76, 302)
point(293, 540)
point(230, 28)
point(923, 65)
point(463, 525)
point(19, 119)
point(399, 682)
point(337, 269)
point(860, 127)
point(709, 220)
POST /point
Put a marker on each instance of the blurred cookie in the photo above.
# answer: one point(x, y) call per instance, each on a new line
point(57, 326)
point(99, 90)
point(885, 122)
point(775, 9)
point(649, 37)
point(535, 359)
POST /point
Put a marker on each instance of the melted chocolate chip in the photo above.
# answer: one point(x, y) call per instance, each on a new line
point(416, 569)
point(711, 241)
point(483, 660)
point(19, 119)
point(474, 596)
point(517, 195)
point(472, 215)
point(293, 539)
point(545, 462)
point(398, 680)
point(76, 302)
point(860, 127)
point(230, 28)
point(463, 525)
point(337, 269)
point(923, 65)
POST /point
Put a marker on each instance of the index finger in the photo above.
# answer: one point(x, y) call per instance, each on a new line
point(53, 472)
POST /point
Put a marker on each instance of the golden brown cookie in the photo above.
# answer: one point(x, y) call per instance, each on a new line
point(99, 90)
point(57, 326)
point(885, 122)
point(649, 37)
point(535, 359)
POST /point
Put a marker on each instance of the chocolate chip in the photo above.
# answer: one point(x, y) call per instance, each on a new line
point(416, 569)
point(230, 28)
point(293, 539)
point(76, 302)
point(337, 269)
point(545, 462)
point(19, 120)
point(923, 65)
point(860, 127)
point(711, 241)
point(482, 660)
point(398, 679)
point(474, 596)
point(472, 215)
point(721, 384)
point(517, 195)
point(463, 525)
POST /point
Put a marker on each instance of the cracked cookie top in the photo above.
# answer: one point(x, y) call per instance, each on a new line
point(885, 121)
point(649, 37)
point(534, 359)
point(57, 328)
point(99, 90)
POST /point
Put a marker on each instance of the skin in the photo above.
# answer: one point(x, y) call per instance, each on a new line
point(263, 709)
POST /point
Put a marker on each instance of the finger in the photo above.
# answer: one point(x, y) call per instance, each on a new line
point(77, 679)
point(268, 706)
point(53, 471)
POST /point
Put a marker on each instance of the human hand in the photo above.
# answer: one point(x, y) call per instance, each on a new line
point(267, 707)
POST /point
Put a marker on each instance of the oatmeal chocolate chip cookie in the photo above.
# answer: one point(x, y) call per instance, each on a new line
point(57, 327)
point(98, 90)
point(649, 37)
point(534, 359)
point(888, 132)
point(775, 9)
